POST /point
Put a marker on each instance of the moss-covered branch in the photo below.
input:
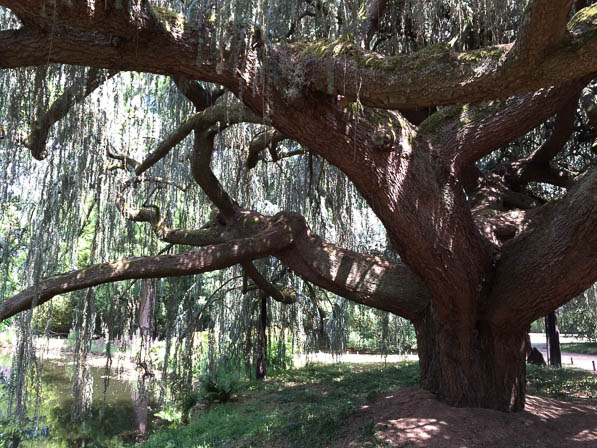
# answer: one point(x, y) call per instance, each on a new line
point(433, 76)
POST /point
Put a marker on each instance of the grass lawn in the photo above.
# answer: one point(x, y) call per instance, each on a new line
point(299, 408)
point(563, 383)
point(586, 348)
point(311, 406)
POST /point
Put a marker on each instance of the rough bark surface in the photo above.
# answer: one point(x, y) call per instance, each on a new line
point(472, 367)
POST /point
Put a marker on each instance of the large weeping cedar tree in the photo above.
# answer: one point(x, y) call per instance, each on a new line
point(424, 106)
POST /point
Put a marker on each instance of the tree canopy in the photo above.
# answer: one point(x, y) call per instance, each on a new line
point(456, 137)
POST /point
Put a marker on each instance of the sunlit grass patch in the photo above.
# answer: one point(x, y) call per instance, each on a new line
point(562, 383)
point(586, 348)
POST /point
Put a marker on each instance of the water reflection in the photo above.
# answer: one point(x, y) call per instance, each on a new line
point(121, 411)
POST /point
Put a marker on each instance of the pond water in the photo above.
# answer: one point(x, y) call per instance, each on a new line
point(118, 413)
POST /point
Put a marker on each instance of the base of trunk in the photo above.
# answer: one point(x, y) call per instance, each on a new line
point(472, 367)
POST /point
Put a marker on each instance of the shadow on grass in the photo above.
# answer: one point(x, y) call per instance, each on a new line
point(323, 405)
point(299, 408)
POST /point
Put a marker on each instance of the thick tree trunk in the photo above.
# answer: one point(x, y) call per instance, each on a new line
point(473, 367)
point(553, 339)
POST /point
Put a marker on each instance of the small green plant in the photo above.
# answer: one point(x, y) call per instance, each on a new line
point(219, 386)
point(170, 415)
point(186, 402)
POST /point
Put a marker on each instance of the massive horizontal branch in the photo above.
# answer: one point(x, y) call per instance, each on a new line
point(208, 258)
point(112, 16)
point(437, 76)
point(427, 78)
point(216, 233)
point(362, 278)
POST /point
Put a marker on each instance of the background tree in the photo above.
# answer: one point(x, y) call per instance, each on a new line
point(438, 113)
point(554, 352)
point(579, 316)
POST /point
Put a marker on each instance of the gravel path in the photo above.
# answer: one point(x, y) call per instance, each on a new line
point(537, 340)
point(568, 359)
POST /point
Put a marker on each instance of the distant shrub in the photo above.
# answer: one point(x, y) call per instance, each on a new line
point(170, 415)
point(8, 336)
point(579, 316)
point(280, 357)
point(56, 315)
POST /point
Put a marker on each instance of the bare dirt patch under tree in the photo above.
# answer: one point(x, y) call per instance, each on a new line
point(416, 418)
